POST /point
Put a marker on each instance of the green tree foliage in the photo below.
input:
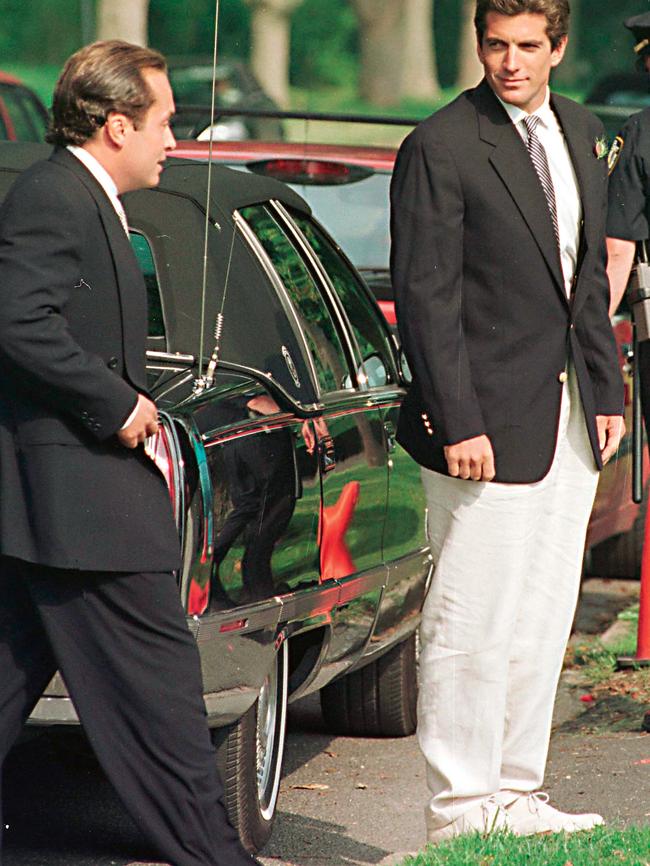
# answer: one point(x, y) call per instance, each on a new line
point(42, 31)
point(187, 27)
point(324, 43)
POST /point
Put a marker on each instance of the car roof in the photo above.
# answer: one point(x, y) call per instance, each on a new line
point(379, 158)
point(229, 189)
point(6, 78)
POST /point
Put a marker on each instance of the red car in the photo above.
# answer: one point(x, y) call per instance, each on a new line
point(347, 188)
point(23, 117)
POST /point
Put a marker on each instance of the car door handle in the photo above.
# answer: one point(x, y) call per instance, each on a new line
point(327, 453)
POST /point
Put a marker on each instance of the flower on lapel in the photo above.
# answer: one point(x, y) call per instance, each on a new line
point(601, 148)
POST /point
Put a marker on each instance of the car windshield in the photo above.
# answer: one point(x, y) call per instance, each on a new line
point(357, 217)
point(355, 214)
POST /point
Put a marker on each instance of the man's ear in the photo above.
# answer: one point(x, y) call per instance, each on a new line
point(558, 52)
point(117, 126)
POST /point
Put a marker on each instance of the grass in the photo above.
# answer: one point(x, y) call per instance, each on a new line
point(603, 846)
point(597, 660)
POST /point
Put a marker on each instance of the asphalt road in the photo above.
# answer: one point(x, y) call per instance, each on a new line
point(342, 801)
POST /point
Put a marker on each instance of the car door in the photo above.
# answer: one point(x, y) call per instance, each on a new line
point(404, 544)
point(349, 436)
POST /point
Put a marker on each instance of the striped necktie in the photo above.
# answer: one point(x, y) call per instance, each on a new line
point(540, 161)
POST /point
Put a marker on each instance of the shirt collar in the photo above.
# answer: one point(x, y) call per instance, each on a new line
point(97, 170)
point(544, 112)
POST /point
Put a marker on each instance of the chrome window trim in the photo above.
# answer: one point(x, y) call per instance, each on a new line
point(267, 266)
point(331, 291)
point(350, 342)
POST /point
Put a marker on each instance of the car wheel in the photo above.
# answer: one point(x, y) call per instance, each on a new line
point(378, 700)
point(620, 555)
point(249, 758)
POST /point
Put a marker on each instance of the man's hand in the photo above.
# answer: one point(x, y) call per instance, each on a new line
point(145, 423)
point(611, 429)
point(471, 458)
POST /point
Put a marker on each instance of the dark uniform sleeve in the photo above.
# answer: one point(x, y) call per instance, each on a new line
point(629, 190)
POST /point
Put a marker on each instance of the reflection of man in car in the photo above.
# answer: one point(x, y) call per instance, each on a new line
point(263, 485)
point(516, 402)
point(87, 536)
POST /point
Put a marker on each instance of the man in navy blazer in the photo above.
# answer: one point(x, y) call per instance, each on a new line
point(88, 543)
point(498, 208)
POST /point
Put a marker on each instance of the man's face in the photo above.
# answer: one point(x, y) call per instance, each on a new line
point(517, 58)
point(145, 148)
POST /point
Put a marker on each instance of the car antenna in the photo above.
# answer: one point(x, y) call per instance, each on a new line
point(203, 382)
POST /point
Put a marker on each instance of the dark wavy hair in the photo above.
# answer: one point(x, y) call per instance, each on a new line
point(556, 12)
point(99, 78)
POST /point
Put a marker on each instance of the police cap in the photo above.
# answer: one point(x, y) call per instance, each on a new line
point(640, 27)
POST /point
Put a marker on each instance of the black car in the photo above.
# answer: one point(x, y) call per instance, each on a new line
point(302, 521)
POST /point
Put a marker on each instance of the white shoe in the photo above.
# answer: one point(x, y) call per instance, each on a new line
point(485, 818)
point(532, 813)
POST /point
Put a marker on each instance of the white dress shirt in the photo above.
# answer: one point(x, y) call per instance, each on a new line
point(107, 183)
point(103, 178)
point(565, 183)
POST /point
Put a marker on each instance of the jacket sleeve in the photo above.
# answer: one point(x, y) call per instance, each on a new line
point(594, 329)
point(427, 212)
point(41, 238)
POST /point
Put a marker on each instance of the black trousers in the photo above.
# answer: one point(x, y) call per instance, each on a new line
point(132, 670)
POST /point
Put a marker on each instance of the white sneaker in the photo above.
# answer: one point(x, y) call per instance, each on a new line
point(485, 818)
point(532, 813)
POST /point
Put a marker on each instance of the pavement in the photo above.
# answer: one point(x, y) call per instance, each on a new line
point(360, 801)
point(343, 800)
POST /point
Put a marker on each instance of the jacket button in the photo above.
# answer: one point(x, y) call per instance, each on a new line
point(112, 363)
point(563, 376)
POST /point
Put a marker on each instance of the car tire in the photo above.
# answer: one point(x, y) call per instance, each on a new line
point(378, 700)
point(620, 555)
point(249, 758)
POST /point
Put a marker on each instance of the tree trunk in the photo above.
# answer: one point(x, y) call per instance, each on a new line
point(123, 19)
point(470, 70)
point(381, 31)
point(419, 74)
point(270, 42)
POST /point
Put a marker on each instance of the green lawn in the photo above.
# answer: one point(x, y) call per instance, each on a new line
point(600, 847)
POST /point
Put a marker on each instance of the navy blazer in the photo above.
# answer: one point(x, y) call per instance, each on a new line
point(481, 306)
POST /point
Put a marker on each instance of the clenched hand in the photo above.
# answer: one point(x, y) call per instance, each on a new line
point(471, 458)
point(611, 429)
point(145, 423)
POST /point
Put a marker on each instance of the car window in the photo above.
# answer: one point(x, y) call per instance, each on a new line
point(357, 215)
point(24, 126)
point(144, 255)
point(34, 112)
point(332, 370)
point(370, 335)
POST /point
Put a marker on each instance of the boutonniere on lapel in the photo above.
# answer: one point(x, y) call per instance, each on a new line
point(601, 148)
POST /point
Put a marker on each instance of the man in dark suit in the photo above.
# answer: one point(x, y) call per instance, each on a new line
point(87, 540)
point(498, 204)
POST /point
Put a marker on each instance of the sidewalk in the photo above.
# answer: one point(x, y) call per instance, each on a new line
point(357, 801)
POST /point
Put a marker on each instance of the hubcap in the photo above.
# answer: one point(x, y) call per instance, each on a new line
point(270, 725)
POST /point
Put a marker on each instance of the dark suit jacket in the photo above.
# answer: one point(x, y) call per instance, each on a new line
point(481, 306)
point(73, 327)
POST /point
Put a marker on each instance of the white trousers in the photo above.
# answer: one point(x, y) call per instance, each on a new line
point(497, 619)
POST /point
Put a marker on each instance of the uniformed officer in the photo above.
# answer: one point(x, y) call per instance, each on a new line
point(628, 218)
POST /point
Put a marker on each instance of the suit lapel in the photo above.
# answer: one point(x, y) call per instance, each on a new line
point(512, 163)
point(130, 283)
